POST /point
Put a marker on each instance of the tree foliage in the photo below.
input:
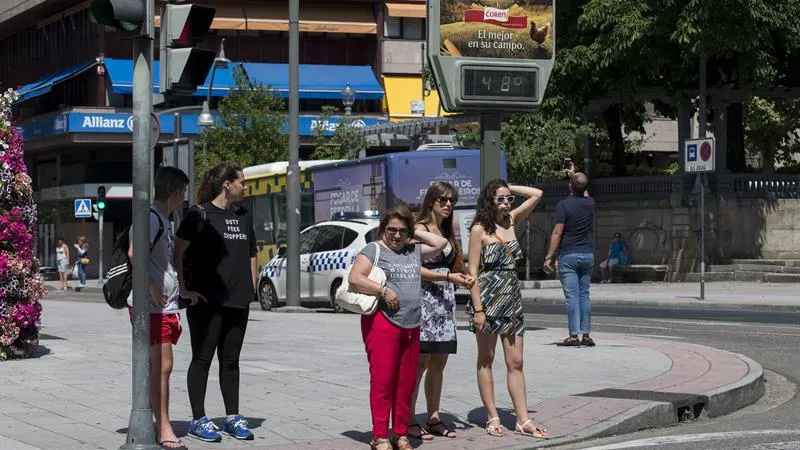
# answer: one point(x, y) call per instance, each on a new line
point(772, 131)
point(250, 129)
point(346, 141)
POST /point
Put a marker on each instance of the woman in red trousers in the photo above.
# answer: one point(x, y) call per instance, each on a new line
point(391, 335)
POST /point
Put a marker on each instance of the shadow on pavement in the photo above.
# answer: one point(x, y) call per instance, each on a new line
point(180, 426)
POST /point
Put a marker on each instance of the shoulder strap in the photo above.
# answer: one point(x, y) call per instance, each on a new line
point(505, 246)
point(160, 229)
point(377, 255)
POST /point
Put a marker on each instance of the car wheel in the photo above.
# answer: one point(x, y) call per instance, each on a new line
point(267, 296)
point(334, 304)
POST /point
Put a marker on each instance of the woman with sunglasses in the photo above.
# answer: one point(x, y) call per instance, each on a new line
point(496, 306)
point(391, 335)
point(440, 274)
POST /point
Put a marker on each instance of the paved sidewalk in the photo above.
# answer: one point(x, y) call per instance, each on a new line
point(752, 295)
point(305, 385)
point(721, 294)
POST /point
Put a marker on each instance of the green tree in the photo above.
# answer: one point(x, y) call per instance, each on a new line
point(772, 131)
point(346, 141)
point(250, 129)
point(536, 146)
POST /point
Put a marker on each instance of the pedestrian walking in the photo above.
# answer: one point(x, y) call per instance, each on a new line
point(391, 335)
point(82, 261)
point(617, 256)
point(165, 320)
point(440, 275)
point(496, 306)
point(218, 240)
point(62, 262)
point(573, 240)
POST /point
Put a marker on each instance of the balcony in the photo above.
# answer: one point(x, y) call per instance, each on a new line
point(402, 56)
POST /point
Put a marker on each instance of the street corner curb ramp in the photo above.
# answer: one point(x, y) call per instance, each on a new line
point(688, 391)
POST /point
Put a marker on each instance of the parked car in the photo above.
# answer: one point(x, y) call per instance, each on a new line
point(327, 250)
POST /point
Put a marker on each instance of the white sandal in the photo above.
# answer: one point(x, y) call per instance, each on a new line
point(538, 432)
point(494, 430)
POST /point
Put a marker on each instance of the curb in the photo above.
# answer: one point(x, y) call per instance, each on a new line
point(720, 401)
point(655, 303)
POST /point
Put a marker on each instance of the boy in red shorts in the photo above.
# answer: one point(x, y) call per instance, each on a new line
point(165, 321)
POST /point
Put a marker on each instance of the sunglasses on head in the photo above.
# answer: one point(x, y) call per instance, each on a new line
point(504, 198)
point(401, 231)
point(443, 200)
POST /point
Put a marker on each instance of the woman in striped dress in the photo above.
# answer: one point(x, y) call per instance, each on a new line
point(496, 306)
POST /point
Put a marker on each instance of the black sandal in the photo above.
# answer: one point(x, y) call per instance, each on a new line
point(587, 342)
point(570, 342)
point(423, 434)
point(440, 429)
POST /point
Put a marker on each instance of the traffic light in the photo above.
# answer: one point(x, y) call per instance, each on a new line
point(184, 67)
point(125, 15)
point(101, 198)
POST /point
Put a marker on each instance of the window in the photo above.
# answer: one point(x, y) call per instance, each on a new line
point(372, 235)
point(349, 237)
point(404, 28)
point(308, 240)
point(329, 238)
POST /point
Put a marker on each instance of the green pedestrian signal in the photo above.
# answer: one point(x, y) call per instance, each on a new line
point(101, 198)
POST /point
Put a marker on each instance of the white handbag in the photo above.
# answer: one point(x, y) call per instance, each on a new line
point(357, 302)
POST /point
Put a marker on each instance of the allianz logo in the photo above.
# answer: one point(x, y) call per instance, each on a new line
point(107, 122)
point(330, 125)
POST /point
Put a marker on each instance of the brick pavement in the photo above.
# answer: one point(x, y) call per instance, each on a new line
point(304, 383)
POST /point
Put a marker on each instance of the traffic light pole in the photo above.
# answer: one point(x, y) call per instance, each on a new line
point(490, 147)
point(141, 433)
point(293, 171)
point(101, 276)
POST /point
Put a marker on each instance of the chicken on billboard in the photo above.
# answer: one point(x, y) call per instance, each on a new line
point(496, 29)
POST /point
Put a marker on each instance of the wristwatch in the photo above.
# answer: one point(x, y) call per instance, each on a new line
point(547, 258)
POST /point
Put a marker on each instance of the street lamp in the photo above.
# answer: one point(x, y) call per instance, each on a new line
point(220, 62)
point(348, 97)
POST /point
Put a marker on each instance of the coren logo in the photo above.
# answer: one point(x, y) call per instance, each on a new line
point(498, 15)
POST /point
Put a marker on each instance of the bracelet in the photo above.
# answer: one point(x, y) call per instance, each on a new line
point(384, 290)
point(478, 311)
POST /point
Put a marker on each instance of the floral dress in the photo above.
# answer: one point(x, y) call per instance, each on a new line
point(500, 291)
point(438, 299)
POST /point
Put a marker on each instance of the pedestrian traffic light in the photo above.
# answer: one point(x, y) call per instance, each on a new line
point(101, 198)
point(184, 67)
point(125, 15)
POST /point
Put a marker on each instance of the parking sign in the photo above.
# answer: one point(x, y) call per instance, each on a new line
point(699, 155)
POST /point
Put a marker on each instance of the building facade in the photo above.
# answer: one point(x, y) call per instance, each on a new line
point(75, 81)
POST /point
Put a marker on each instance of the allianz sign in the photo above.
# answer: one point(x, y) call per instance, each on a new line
point(108, 123)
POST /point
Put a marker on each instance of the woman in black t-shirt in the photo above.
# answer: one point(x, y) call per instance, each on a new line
point(218, 241)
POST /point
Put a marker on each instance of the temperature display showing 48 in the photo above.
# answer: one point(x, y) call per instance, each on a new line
point(491, 83)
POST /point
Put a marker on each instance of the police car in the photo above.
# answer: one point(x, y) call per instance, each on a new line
point(327, 250)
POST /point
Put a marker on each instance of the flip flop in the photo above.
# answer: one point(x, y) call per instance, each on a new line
point(164, 443)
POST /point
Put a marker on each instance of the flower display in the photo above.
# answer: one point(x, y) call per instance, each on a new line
point(21, 286)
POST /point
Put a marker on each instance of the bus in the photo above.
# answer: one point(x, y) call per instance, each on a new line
point(265, 198)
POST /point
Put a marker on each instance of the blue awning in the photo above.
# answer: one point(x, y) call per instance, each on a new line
point(316, 81)
point(45, 84)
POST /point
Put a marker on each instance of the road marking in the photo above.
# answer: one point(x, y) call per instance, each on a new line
point(728, 324)
point(646, 327)
point(688, 438)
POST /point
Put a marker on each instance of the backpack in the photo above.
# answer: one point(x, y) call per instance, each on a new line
point(119, 280)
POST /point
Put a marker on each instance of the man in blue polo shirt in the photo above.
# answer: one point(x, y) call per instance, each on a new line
point(573, 238)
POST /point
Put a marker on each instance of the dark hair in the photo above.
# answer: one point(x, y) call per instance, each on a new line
point(425, 216)
point(486, 209)
point(398, 212)
point(61, 238)
point(168, 180)
point(211, 185)
point(617, 233)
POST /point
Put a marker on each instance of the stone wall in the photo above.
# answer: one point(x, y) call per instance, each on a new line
point(668, 232)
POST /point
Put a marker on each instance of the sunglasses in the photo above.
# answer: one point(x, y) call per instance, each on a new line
point(504, 198)
point(444, 200)
point(403, 231)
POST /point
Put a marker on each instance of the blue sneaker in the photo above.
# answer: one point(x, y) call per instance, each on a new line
point(204, 429)
point(237, 427)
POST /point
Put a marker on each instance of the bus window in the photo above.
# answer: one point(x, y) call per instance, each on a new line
point(262, 218)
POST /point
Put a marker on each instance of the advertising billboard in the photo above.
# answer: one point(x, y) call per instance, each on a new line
point(354, 188)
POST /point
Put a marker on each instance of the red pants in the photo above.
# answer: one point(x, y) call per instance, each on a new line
point(393, 354)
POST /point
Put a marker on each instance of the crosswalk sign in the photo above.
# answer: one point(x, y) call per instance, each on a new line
point(83, 208)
